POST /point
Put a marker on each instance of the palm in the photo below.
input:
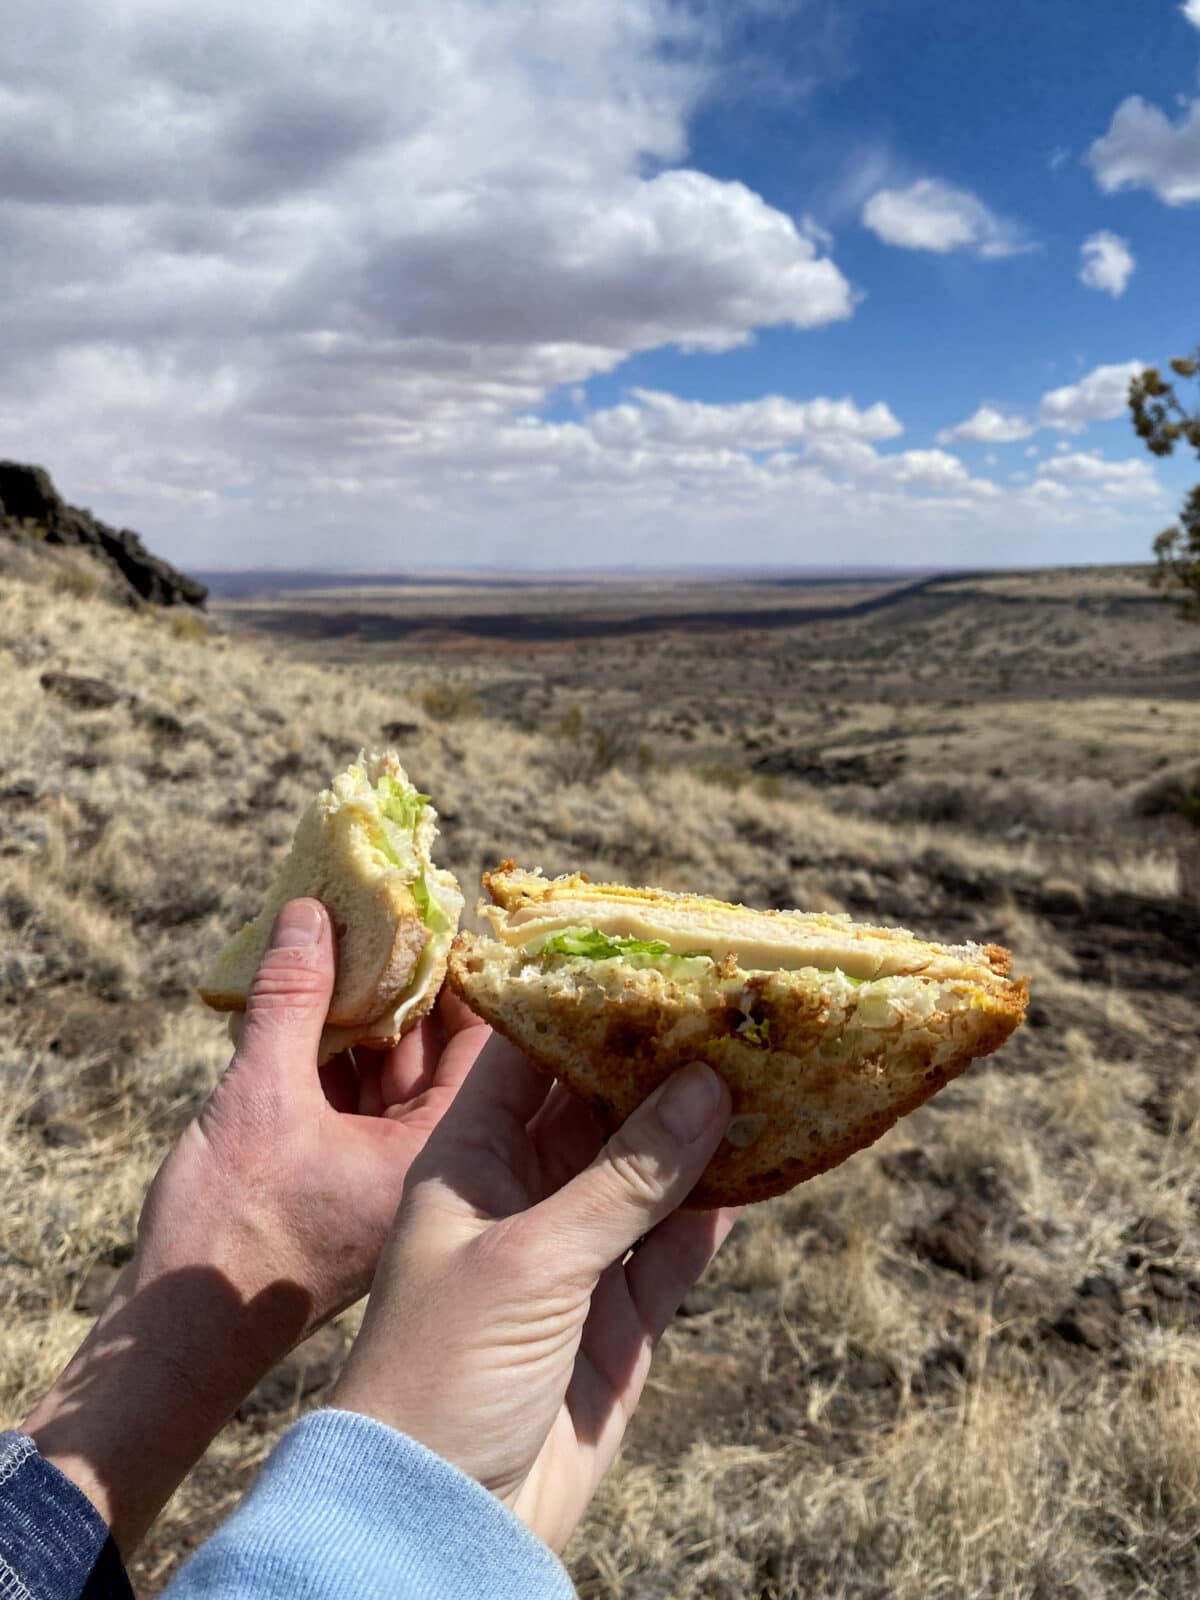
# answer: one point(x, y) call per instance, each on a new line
point(512, 1143)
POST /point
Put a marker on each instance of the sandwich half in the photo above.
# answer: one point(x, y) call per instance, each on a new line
point(363, 848)
point(825, 1030)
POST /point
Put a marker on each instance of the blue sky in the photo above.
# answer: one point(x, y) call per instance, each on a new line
point(602, 281)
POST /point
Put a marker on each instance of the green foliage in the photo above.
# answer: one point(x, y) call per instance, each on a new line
point(1177, 550)
point(597, 946)
point(589, 747)
point(186, 625)
point(1162, 421)
point(444, 700)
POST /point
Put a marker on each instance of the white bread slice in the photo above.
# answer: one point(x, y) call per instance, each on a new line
point(382, 934)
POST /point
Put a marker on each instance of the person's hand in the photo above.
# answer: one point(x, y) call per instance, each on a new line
point(266, 1219)
point(509, 1329)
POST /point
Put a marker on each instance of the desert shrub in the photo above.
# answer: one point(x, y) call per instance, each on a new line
point(447, 700)
point(186, 625)
point(76, 581)
point(1173, 791)
point(1081, 805)
point(584, 748)
point(723, 774)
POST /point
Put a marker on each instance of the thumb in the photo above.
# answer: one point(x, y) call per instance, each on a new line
point(289, 998)
point(644, 1171)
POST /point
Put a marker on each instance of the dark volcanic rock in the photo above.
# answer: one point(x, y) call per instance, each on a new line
point(95, 1287)
point(84, 694)
point(1093, 1321)
point(875, 768)
point(31, 507)
point(956, 1240)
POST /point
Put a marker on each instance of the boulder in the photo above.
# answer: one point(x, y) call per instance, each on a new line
point(82, 694)
point(956, 1241)
point(32, 508)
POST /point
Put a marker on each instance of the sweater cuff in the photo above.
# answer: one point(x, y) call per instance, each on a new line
point(54, 1544)
point(347, 1507)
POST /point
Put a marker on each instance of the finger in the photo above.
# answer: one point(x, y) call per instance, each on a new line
point(408, 1067)
point(566, 1137)
point(671, 1261)
point(289, 998)
point(370, 1094)
point(339, 1080)
point(480, 1151)
point(453, 1013)
point(499, 1086)
point(644, 1171)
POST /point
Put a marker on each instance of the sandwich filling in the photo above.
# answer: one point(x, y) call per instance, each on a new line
point(753, 941)
point(396, 826)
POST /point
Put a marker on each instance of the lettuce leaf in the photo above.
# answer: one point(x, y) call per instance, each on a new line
point(432, 915)
point(398, 804)
point(596, 946)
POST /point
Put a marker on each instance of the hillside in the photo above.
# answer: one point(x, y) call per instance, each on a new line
point(967, 1362)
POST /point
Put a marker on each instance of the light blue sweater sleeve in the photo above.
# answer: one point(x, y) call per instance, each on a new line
point(348, 1509)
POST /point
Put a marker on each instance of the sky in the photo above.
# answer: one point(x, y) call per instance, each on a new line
point(430, 284)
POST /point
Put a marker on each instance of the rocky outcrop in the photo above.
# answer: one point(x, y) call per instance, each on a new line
point(31, 508)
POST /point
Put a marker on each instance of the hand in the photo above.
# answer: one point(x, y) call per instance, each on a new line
point(506, 1330)
point(266, 1219)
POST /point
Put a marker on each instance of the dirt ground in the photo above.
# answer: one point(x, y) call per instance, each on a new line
point(967, 1363)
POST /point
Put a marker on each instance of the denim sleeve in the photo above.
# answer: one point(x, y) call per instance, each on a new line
point(348, 1509)
point(54, 1544)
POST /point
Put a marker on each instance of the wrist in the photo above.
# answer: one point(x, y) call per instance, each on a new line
point(187, 1334)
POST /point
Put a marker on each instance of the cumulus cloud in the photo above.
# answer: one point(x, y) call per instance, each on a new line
point(1107, 262)
point(931, 215)
point(988, 426)
point(772, 423)
point(322, 231)
point(1191, 10)
point(305, 283)
point(1144, 149)
point(1099, 396)
point(1131, 478)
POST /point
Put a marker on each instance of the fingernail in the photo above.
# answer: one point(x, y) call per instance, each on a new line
point(689, 1101)
point(300, 922)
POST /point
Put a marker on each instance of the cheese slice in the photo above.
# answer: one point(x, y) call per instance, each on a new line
point(758, 941)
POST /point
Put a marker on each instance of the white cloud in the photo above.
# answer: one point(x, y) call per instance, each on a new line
point(1131, 478)
point(390, 231)
point(402, 235)
point(1061, 153)
point(1107, 262)
point(1143, 149)
point(931, 215)
point(1191, 10)
point(988, 426)
point(1099, 396)
point(772, 423)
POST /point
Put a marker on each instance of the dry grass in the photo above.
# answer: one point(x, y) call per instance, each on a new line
point(837, 1414)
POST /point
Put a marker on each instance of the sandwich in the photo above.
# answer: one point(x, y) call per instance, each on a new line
point(826, 1031)
point(363, 848)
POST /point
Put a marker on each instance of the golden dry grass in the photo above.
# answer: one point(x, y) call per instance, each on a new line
point(837, 1414)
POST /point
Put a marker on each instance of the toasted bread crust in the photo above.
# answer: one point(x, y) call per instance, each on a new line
point(836, 1074)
